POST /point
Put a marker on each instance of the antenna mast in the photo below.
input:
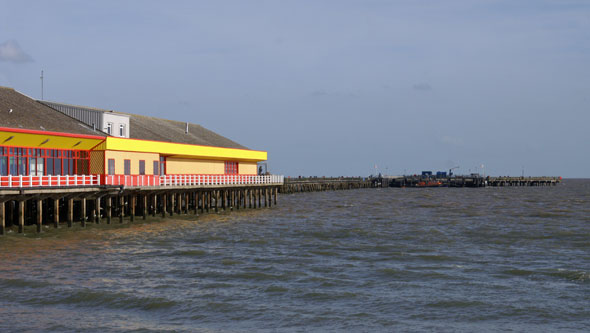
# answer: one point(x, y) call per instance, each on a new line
point(41, 84)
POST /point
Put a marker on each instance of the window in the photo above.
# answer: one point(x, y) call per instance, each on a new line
point(231, 168)
point(111, 166)
point(122, 130)
point(142, 167)
point(162, 166)
point(127, 167)
point(110, 128)
point(156, 168)
point(40, 162)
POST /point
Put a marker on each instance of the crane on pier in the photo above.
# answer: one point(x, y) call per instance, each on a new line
point(451, 170)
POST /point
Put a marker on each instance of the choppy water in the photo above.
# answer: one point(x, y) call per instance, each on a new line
point(364, 260)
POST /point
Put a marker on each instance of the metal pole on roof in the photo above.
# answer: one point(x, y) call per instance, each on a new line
point(41, 84)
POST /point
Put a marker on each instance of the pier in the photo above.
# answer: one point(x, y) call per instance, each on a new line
point(467, 181)
point(315, 184)
point(66, 205)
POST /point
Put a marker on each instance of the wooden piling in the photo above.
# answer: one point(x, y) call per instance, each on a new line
point(56, 213)
point(172, 204)
point(83, 212)
point(39, 215)
point(132, 201)
point(21, 216)
point(154, 204)
point(2, 218)
point(70, 212)
point(144, 206)
point(164, 198)
point(97, 205)
point(121, 208)
point(109, 209)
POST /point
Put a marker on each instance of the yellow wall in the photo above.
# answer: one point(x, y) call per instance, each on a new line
point(184, 150)
point(185, 166)
point(120, 156)
point(245, 168)
point(182, 166)
point(17, 139)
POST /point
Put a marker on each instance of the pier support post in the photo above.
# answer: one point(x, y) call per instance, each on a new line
point(39, 215)
point(21, 217)
point(179, 203)
point(132, 202)
point(56, 213)
point(276, 194)
point(121, 208)
point(217, 195)
point(196, 198)
point(97, 205)
point(92, 216)
point(70, 212)
point(145, 206)
point(83, 212)
point(172, 204)
point(2, 218)
point(259, 198)
point(223, 199)
point(163, 198)
point(154, 204)
point(109, 209)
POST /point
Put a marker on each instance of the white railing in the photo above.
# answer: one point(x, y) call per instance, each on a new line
point(198, 180)
point(49, 181)
point(138, 180)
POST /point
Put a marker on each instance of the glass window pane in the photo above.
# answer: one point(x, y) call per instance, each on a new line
point(57, 167)
point(49, 166)
point(3, 166)
point(32, 166)
point(40, 166)
point(22, 166)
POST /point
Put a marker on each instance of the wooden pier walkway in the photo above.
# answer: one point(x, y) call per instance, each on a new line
point(468, 181)
point(296, 185)
point(97, 204)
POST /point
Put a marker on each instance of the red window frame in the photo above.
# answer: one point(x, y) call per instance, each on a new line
point(67, 161)
point(231, 168)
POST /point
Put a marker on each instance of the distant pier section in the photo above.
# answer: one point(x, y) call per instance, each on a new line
point(474, 180)
point(318, 184)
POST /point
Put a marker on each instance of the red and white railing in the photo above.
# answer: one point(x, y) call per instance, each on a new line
point(49, 181)
point(190, 180)
point(196, 180)
point(137, 180)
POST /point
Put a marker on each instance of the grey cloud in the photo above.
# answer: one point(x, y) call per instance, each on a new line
point(323, 93)
point(422, 87)
point(319, 93)
point(10, 51)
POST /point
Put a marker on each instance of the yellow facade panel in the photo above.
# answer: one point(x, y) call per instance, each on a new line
point(183, 166)
point(178, 149)
point(247, 168)
point(47, 141)
point(134, 158)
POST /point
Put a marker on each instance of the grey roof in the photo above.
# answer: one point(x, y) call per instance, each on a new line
point(157, 129)
point(32, 115)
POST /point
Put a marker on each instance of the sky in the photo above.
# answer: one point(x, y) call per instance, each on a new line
point(328, 88)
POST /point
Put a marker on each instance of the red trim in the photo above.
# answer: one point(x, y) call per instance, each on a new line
point(28, 131)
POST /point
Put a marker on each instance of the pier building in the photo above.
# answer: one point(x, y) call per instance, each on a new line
point(56, 151)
